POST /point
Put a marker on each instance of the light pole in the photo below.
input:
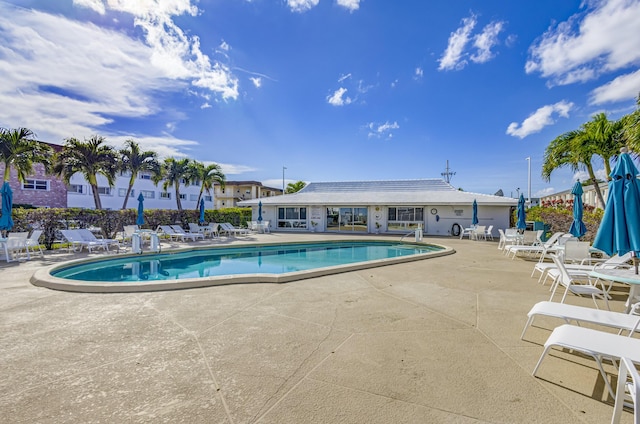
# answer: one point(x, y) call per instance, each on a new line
point(283, 168)
point(529, 181)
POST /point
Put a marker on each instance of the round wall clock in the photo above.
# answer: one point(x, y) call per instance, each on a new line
point(434, 211)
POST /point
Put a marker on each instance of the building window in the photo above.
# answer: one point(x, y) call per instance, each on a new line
point(125, 174)
point(76, 188)
point(292, 218)
point(183, 197)
point(405, 218)
point(106, 191)
point(123, 192)
point(144, 176)
point(35, 185)
point(148, 194)
point(208, 199)
point(193, 197)
point(165, 195)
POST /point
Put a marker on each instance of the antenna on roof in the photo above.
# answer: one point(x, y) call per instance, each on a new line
point(447, 174)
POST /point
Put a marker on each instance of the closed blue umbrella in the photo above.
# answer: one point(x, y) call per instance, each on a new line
point(140, 219)
point(201, 211)
point(260, 211)
point(619, 231)
point(474, 220)
point(6, 221)
point(578, 229)
point(522, 216)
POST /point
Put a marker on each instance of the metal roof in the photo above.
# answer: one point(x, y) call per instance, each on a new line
point(392, 192)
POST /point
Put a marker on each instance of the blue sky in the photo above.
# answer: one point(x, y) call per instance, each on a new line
point(330, 89)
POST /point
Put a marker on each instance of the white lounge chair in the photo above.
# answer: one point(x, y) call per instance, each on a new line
point(231, 230)
point(76, 243)
point(175, 235)
point(627, 368)
point(33, 242)
point(190, 234)
point(539, 247)
point(581, 314)
point(597, 344)
point(89, 237)
point(571, 283)
point(16, 245)
point(488, 234)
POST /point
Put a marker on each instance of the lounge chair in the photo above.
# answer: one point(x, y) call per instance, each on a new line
point(597, 344)
point(33, 242)
point(576, 257)
point(205, 230)
point(572, 284)
point(581, 314)
point(88, 236)
point(175, 235)
point(191, 234)
point(613, 262)
point(231, 230)
point(627, 368)
point(15, 245)
point(537, 248)
point(76, 243)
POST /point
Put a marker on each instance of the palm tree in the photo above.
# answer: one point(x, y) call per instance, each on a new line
point(173, 172)
point(573, 148)
point(631, 131)
point(606, 137)
point(207, 176)
point(136, 161)
point(91, 158)
point(295, 187)
point(18, 149)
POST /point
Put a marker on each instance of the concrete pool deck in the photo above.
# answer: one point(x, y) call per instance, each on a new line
point(433, 341)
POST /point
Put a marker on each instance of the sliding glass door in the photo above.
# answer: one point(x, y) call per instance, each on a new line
point(347, 219)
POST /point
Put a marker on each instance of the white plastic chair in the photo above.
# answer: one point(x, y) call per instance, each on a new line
point(34, 242)
point(480, 232)
point(571, 284)
point(627, 390)
point(466, 232)
point(489, 232)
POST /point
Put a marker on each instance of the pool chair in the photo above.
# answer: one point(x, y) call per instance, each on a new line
point(16, 245)
point(33, 242)
point(627, 390)
point(597, 344)
point(89, 237)
point(197, 235)
point(613, 262)
point(76, 243)
point(577, 283)
point(175, 235)
point(581, 314)
point(538, 247)
point(230, 230)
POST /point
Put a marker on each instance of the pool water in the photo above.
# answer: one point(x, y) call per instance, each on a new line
point(265, 259)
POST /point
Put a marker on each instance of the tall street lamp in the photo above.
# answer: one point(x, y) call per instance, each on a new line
point(283, 168)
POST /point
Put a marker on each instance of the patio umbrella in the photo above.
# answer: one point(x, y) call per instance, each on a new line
point(259, 211)
point(578, 229)
point(201, 211)
point(474, 220)
point(140, 219)
point(6, 222)
point(522, 216)
point(619, 231)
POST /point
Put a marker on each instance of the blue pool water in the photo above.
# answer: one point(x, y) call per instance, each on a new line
point(265, 259)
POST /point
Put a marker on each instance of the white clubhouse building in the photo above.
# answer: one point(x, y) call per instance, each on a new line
point(382, 206)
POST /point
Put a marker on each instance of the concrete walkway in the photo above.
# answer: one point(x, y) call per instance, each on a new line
point(434, 341)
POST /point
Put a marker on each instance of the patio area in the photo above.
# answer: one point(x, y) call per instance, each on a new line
point(433, 341)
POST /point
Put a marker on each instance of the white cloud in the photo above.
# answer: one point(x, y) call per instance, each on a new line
point(95, 5)
point(338, 99)
point(234, 169)
point(624, 87)
point(419, 72)
point(544, 192)
point(349, 4)
point(540, 119)
point(302, 5)
point(377, 130)
point(485, 41)
point(602, 39)
point(224, 46)
point(257, 81)
point(452, 57)
point(344, 77)
point(601, 174)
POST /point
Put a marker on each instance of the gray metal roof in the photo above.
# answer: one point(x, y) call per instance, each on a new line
point(395, 192)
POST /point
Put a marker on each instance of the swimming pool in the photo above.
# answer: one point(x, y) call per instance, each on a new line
point(225, 265)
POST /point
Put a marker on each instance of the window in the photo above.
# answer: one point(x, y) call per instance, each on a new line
point(405, 218)
point(104, 191)
point(35, 185)
point(165, 195)
point(145, 176)
point(148, 194)
point(208, 199)
point(76, 188)
point(123, 192)
point(292, 218)
point(125, 174)
point(183, 197)
point(193, 197)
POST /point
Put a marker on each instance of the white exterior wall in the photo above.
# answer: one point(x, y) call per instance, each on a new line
point(115, 200)
point(439, 223)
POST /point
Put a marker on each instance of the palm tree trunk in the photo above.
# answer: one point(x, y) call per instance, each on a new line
point(7, 172)
point(96, 196)
point(126, 197)
point(178, 202)
point(596, 186)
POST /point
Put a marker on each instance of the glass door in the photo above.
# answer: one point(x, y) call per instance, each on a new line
point(347, 219)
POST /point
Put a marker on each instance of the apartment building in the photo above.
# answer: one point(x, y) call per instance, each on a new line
point(238, 191)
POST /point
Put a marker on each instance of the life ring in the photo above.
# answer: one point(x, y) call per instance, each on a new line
point(455, 229)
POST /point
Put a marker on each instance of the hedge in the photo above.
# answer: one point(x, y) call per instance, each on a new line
point(50, 220)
